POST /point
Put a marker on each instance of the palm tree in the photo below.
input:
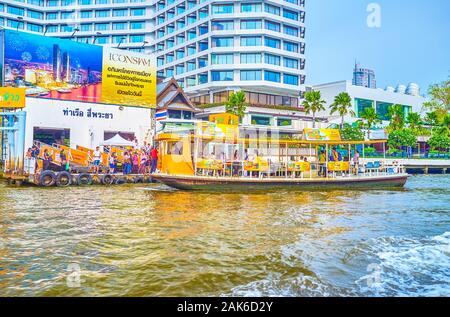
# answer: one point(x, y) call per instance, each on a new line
point(236, 104)
point(396, 114)
point(415, 122)
point(342, 104)
point(313, 103)
point(370, 117)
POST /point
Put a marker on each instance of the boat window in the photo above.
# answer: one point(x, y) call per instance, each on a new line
point(175, 148)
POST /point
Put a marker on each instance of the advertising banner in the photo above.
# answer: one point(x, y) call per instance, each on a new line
point(56, 68)
point(322, 134)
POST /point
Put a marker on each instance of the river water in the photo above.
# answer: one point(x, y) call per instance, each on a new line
point(149, 240)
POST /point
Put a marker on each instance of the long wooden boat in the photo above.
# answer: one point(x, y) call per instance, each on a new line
point(207, 183)
point(213, 156)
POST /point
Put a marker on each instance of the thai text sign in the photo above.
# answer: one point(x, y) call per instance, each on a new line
point(12, 97)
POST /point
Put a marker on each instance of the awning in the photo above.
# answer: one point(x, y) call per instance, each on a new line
point(117, 140)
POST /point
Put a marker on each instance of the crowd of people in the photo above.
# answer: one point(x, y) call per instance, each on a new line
point(133, 161)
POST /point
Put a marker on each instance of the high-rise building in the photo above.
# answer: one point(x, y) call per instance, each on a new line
point(105, 22)
point(364, 77)
point(215, 47)
point(211, 47)
point(56, 63)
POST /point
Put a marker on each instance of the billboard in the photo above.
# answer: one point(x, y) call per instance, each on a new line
point(64, 69)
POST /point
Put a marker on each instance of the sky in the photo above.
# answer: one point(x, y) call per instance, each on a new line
point(412, 43)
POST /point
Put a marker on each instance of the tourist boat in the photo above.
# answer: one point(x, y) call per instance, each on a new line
point(213, 156)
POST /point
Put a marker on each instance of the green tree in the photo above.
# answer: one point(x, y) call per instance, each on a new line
point(440, 139)
point(352, 132)
point(343, 105)
point(432, 118)
point(446, 121)
point(396, 116)
point(236, 104)
point(415, 124)
point(440, 97)
point(402, 137)
point(313, 103)
point(370, 118)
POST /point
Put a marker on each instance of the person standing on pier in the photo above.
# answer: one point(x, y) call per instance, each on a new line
point(97, 158)
point(154, 158)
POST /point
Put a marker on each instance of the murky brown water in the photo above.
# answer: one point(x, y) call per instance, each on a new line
point(152, 241)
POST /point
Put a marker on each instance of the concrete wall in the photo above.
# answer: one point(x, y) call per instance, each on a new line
point(85, 130)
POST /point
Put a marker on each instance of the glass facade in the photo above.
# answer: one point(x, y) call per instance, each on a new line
point(361, 105)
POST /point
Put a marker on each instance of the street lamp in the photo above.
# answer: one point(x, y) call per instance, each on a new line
point(18, 23)
point(74, 31)
point(95, 38)
point(121, 40)
point(46, 28)
point(145, 42)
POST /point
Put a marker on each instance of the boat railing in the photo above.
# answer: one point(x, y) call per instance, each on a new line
point(263, 168)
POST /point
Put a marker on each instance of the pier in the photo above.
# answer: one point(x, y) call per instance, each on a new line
point(420, 166)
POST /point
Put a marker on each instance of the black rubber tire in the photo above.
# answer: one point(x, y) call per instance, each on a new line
point(84, 179)
point(63, 179)
point(138, 180)
point(47, 179)
point(107, 179)
point(120, 181)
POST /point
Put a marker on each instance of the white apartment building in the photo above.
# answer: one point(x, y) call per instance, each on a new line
point(211, 47)
point(119, 23)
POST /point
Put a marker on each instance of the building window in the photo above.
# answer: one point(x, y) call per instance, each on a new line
point(251, 41)
point(291, 47)
point(86, 27)
point(290, 79)
point(290, 30)
point(119, 26)
point(222, 75)
point(271, 42)
point(101, 26)
point(52, 15)
point(174, 114)
point(251, 24)
point(251, 7)
point(272, 59)
point(290, 14)
point(34, 27)
point(273, 26)
point(222, 8)
point(250, 58)
point(222, 25)
point(120, 13)
point(383, 110)
point(102, 14)
point(284, 122)
point(137, 38)
point(222, 42)
point(272, 76)
point(259, 120)
point(86, 14)
point(138, 25)
point(290, 63)
point(251, 75)
point(222, 59)
point(272, 9)
point(137, 12)
point(35, 14)
point(362, 105)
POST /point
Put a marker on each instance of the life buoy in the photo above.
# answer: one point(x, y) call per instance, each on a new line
point(138, 180)
point(47, 179)
point(84, 179)
point(63, 179)
point(107, 179)
point(120, 181)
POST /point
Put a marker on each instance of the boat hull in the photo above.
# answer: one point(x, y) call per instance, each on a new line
point(245, 184)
